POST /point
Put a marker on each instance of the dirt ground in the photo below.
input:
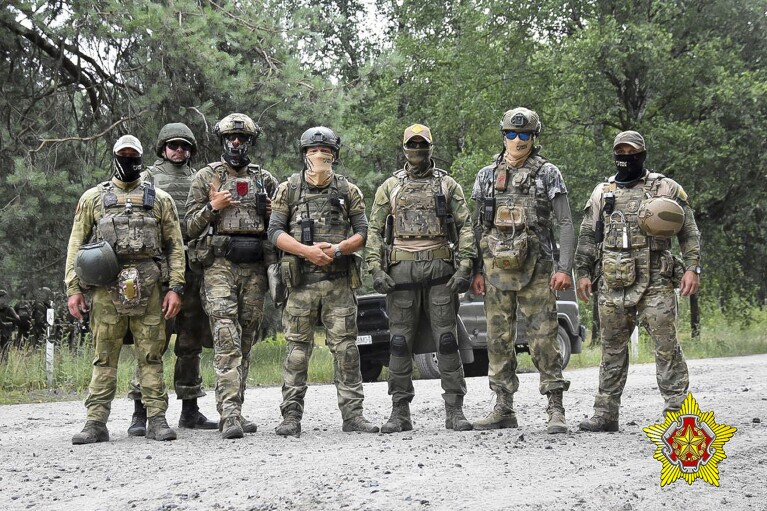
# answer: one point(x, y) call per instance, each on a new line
point(428, 468)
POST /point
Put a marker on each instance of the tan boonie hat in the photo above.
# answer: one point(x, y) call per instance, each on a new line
point(128, 142)
point(417, 130)
point(631, 138)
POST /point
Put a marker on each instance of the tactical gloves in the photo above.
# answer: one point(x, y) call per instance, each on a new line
point(382, 282)
point(461, 279)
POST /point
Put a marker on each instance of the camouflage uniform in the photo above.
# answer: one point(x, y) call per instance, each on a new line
point(139, 239)
point(517, 250)
point(421, 263)
point(233, 286)
point(636, 286)
point(191, 326)
point(324, 292)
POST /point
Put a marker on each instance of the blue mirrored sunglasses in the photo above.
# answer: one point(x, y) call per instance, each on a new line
point(511, 135)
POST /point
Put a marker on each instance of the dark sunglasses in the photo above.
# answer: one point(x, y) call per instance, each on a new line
point(176, 145)
point(417, 145)
point(511, 135)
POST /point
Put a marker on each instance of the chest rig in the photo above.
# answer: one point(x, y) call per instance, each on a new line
point(320, 215)
point(174, 179)
point(128, 222)
point(419, 207)
point(249, 216)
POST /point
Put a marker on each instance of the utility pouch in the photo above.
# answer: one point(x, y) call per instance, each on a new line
point(307, 231)
point(510, 218)
point(200, 253)
point(488, 211)
point(245, 250)
point(129, 286)
point(290, 271)
point(219, 245)
point(508, 253)
point(277, 289)
point(618, 269)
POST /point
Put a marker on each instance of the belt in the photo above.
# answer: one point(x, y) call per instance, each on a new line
point(421, 255)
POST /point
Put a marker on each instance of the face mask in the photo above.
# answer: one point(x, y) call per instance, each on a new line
point(128, 168)
point(236, 157)
point(319, 169)
point(630, 167)
point(517, 150)
point(419, 158)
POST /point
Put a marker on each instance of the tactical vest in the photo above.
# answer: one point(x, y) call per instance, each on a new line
point(174, 179)
point(626, 250)
point(128, 221)
point(414, 209)
point(242, 218)
point(328, 208)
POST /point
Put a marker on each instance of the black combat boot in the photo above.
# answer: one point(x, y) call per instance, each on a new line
point(359, 423)
point(159, 430)
point(231, 428)
point(138, 422)
point(192, 418)
point(291, 424)
point(454, 417)
point(556, 412)
point(599, 423)
point(502, 416)
point(399, 420)
point(93, 432)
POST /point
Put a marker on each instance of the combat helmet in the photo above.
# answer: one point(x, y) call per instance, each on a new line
point(321, 136)
point(521, 119)
point(237, 123)
point(96, 264)
point(174, 131)
point(660, 216)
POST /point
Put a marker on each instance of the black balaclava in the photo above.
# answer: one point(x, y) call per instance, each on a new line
point(630, 168)
point(128, 168)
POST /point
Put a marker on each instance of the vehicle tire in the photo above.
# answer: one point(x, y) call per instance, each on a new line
point(370, 370)
point(564, 345)
point(427, 365)
point(479, 366)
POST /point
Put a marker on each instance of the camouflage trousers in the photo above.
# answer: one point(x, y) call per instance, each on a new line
point(334, 304)
point(109, 329)
point(534, 308)
point(656, 311)
point(233, 297)
point(437, 306)
point(192, 329)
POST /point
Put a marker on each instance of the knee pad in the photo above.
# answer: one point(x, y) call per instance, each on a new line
point(399, 346)
point(447, 344)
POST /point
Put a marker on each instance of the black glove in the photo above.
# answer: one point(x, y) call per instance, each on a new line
point(382, 282)
point(461, 280)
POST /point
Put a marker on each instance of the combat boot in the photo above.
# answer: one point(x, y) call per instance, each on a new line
point(138, 421)
point(191, 418)
point(359, 423)
point(159, 430)
point(399, 420)
point(598, 423)
point(556, 412)
point(248, 426)
point(290, 425)
point(454, 417)
point(231, 428)
point(93, 432)
point(502, 416)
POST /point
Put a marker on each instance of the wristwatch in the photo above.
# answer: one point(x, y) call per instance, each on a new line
point(695, 267)
point(337, 252)
point(209, 207)
point(179, 290)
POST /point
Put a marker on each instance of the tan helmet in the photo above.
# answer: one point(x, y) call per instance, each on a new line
point(661, 217)
point(236, 123)
point(521, 119)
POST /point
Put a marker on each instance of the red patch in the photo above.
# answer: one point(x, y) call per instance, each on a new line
point(242, 188)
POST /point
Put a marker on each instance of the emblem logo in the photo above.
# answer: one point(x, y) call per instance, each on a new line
point(689, 444)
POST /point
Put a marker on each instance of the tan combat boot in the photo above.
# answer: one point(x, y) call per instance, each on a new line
point(231, 428)
point(94, 431)
point(502, 416)
point(359, 423)
point(556, 411)
point(158, 429)
point(291, 424)
point(599, 423)
point(399, 420)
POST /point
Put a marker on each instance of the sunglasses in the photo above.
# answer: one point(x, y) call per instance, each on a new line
point(511, 135)
point(417, 145)
point(173, 146)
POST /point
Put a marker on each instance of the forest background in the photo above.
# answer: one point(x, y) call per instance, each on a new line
point(689, 75)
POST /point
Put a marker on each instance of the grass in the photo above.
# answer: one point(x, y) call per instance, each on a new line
point(23, 378)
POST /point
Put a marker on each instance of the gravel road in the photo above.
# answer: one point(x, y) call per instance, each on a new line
point(428, 468)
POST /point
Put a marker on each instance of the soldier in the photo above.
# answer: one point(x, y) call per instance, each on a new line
point(518, 198)
point(625, 239)
point(228, 211)
point(173, 173)
point(314, 212)
point(134, 226)
point(9, 320)
point(419, 226)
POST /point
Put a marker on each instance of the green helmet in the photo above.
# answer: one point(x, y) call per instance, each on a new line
point(237, 123)
point(320, 136)
point(660, 216)
point(96, 264)
point(174, 131)
point(521, 119)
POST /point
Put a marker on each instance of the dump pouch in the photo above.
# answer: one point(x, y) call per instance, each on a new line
point(290, 271)
point(618, 269)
